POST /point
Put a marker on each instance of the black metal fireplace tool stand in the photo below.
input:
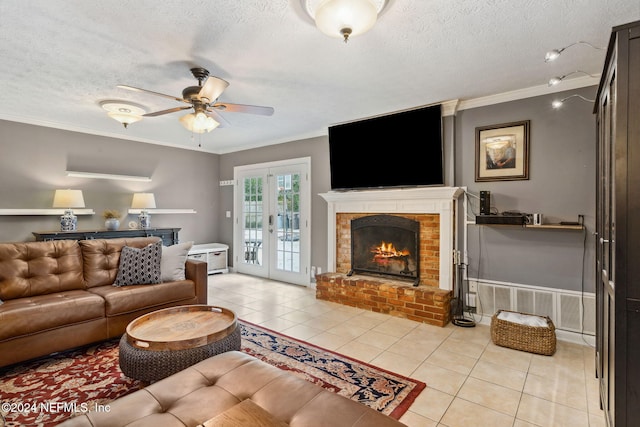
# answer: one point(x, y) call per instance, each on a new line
point(457, 303)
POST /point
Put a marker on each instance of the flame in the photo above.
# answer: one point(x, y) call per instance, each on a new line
point(387, 250)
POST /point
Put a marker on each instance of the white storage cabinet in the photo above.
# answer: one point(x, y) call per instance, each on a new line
point(214, 254)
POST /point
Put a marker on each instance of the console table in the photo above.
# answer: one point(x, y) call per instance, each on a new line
point(169, 236)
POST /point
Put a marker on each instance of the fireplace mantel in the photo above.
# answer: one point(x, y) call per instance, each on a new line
point(431, 200)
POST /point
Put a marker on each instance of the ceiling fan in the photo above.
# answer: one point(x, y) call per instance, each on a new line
point(204, 101)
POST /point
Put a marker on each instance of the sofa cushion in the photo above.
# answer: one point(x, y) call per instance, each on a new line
point(127, 299)
point(139, 266)
point(102, 257)
point(30, 315)
point(173, 260)
point(37, 268)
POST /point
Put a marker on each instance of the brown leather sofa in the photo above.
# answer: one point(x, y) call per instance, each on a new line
point(58, 295)
point(233, 389)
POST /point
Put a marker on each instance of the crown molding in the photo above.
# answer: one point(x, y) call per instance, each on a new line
point(530, 92)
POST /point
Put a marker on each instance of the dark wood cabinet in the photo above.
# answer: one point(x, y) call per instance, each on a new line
point(618, 229)
point(169, 236)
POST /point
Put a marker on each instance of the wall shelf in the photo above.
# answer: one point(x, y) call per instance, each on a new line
point(534, 227)
point(163, 211)
point(36, 212)
point(94, 175)
point(555, 226)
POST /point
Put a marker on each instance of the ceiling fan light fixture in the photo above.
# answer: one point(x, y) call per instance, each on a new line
point(198, 122)
point(344, 18)
point(123, 111)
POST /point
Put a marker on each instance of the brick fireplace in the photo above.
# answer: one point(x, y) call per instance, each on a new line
point(434, 209)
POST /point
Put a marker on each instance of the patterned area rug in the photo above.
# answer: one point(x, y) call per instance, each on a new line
point(384, 391)
point(46, 391)
point(49, 390)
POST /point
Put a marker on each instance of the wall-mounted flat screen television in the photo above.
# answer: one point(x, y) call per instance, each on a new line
point(402, 149)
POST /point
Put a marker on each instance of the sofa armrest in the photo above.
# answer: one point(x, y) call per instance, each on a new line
point(197, 271)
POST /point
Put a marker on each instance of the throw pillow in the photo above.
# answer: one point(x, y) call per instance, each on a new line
point(173, 259)
point(139, 266)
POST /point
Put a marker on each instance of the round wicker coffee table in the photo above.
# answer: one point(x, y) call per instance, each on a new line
point(163, 342)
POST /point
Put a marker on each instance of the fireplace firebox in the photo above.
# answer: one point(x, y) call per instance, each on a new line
point(386, 245)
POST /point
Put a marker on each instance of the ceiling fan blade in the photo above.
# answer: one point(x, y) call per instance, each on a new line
point(137, 89)
point(218, 118)
point(212, 89)
point(242, 108)
point(170, 110)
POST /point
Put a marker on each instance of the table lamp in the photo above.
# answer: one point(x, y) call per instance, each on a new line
point(68, 199)
point(143, 201)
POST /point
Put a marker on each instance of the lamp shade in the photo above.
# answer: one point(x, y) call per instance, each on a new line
point(344, 18)
point(198, 122)
point(68, 199)
point(143, 201)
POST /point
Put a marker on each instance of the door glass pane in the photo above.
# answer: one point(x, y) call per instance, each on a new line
point(288, 222)
point(252, 220)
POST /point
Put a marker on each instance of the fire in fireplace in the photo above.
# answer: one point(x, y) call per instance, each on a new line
point(386, 245)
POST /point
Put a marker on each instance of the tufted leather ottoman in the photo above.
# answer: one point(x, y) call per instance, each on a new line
point(219, 386)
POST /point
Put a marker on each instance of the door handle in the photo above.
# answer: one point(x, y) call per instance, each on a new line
point(602, 240)
point(270, 220)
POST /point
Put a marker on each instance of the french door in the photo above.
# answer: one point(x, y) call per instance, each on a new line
point(271, 227)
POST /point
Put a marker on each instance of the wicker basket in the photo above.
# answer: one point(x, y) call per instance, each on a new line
point(534, 339)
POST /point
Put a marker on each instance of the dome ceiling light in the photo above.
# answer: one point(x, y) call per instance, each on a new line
point(344, 18)
point(124, 111)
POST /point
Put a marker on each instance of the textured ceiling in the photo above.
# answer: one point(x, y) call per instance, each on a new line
point(60, 58)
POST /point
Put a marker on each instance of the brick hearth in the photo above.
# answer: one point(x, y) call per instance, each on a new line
point(425, 304)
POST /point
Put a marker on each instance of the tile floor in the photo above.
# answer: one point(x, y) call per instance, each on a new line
point(470, 381)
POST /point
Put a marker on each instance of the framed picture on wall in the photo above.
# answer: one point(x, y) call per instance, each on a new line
point(502, 152)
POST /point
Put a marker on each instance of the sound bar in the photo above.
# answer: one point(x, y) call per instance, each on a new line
point(500, 219)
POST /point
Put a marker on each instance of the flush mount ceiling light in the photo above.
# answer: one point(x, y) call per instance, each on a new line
point(344, 18)
point(558, 102)
point(124, 111)
point(553, 54)
point(556, 80)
